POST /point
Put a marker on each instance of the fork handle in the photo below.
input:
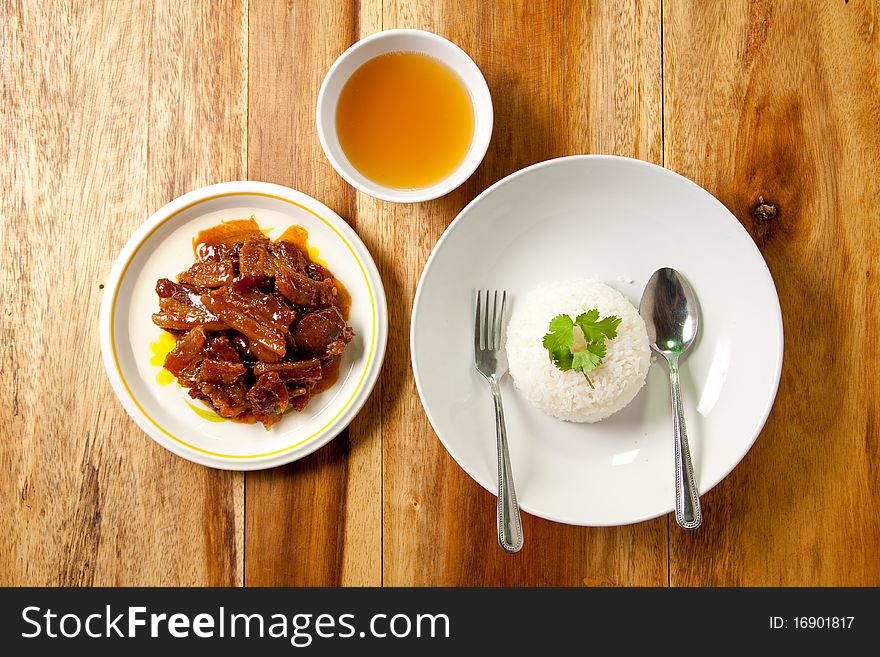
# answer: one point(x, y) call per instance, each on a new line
point(510, 534)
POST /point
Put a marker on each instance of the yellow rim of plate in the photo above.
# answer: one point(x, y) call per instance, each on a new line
point(159, 426)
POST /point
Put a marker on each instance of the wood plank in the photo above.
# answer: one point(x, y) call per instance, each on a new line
point(566, 77)
point(316, 521)
point(88, 91)
point(780, 101)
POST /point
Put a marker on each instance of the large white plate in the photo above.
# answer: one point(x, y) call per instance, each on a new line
point(162, 247)
point(620, 220)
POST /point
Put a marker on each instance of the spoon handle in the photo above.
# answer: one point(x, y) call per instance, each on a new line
point(687, 498)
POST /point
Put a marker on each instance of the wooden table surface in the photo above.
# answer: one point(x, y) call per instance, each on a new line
point(111, 109)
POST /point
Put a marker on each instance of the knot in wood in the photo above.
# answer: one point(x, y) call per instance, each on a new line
point(764, 211)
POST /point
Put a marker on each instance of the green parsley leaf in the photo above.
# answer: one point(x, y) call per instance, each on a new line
point(558, 341)
point(598, 349)
point(597, 330)
point(561, 334)
point(562, 358)
point(584, 359)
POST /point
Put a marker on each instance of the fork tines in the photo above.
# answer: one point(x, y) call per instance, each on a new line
point(489, 319)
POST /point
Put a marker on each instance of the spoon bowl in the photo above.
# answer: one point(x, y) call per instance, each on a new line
point(669, 308)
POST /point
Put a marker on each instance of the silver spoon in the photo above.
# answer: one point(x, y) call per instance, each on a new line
point(672, 318)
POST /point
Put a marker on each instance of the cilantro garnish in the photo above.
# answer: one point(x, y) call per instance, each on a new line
point(579, 344)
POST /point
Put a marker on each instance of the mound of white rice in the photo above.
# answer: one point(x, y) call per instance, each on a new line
point(567, 395)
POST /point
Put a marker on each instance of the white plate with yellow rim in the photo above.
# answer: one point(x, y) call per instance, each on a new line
point(133, 347)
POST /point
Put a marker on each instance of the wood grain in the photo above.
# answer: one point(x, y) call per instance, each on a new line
point(566, 77)
point(316, 521)
point(109, 110)
point(780, 102)
point(91, 94)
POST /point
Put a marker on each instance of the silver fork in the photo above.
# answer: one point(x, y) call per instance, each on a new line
point(491, 362)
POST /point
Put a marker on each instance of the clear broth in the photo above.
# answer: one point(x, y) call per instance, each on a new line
point(405, 120)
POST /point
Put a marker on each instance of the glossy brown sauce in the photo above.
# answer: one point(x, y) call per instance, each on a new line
point(207, 242)
point(330, 375)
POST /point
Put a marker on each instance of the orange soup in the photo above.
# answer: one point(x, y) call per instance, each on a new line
point(405, 120)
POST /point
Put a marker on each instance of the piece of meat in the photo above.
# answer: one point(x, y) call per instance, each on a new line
point(317, 330)
point(263, 318)
point(254, 351)
point(186, 351)
point(299, 402)
point(225, 240)
point(245, 284)
point(181, 308)
point(243, 346)
point(176, 316)
point(209, 274)
point(245, 418)
point(292, 370)
point(336, 347)
point(187, 294)
point(227, 400)
point(165, 288)
point(288, 255)
point(195, 393)
point(317, 272)
point(269, 394)
point(220, 348)
point(294, 390)
point(220, 371)
point(189, 375)
point(266, 308)
point(269, 398)
point(302, 290)
point(260, 258)
point(265, 355)
point(218, 252)
point(255, 261)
